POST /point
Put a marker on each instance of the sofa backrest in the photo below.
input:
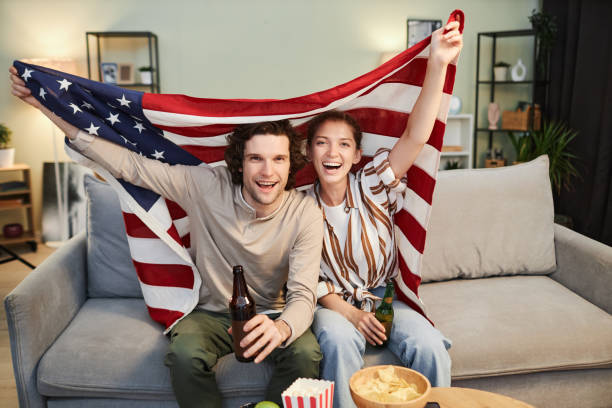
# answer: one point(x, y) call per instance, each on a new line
point(111, 272)
point(491, 222)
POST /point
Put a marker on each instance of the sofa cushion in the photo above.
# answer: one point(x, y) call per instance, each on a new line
point(518, 324)
point(109, 264)
point(488, 222)
point(112, 348)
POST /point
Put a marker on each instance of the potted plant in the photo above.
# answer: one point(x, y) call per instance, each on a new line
point(551, 139)
point(545, 26)
point(500, 71)
point(7, 154)
point(146, 75)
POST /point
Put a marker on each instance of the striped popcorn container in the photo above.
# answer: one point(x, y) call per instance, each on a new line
point(309, 393)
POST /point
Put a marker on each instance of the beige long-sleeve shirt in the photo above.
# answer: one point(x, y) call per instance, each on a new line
point(281, 248)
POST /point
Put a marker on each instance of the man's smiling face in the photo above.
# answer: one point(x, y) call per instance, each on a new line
point(265, 170)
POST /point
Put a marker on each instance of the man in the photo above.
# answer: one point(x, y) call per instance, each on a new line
point(246, 214)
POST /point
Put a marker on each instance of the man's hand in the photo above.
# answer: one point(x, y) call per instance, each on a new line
point(369, 326)
point(19, 89)
point(264, 334)
point(445, 48)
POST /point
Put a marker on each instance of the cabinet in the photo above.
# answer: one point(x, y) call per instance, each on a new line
point(130, 49)
point(18, 196)
point(533, 89)
point(457, 147)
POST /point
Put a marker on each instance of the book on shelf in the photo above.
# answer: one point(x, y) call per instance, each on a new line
point(11, 202)
point(452, 148)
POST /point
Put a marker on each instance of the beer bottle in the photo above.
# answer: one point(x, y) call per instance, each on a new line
point(384, 312)
point(242, 309)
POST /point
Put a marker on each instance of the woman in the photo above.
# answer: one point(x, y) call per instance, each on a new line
point(359, 254)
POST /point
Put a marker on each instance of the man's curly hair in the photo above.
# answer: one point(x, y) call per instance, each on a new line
point(234, 153)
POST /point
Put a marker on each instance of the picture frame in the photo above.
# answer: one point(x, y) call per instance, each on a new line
point(418, 30)
point(109, 72)
point(125, 73)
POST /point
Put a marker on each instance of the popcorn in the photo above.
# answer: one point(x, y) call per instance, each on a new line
point(309, 393)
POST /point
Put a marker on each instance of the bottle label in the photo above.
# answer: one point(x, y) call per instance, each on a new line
point(388, 300)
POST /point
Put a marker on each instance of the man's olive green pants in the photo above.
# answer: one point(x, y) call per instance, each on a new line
point(201, 338)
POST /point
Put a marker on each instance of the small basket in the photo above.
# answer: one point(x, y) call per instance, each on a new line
point(522, 120)
point(492, 163)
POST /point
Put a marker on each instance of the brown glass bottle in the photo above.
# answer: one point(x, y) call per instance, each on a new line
point(384, 312)
point(242, 309)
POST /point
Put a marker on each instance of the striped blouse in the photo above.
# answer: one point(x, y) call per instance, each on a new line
point(368, 257)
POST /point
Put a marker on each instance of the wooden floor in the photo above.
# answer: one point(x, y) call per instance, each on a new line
point(11, 273)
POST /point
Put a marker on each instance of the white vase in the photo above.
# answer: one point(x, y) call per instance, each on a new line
point(519, 71)
point(7, 157)
point(500, 73)
point(146, 77)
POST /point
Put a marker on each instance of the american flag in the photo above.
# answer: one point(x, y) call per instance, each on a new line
point(179, 129)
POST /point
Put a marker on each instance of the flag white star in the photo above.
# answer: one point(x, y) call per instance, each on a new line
point(123, 101)
point(64, 84)
point(113, 118)
point(158, 155)
point(87, 105)
point(92, 130)
point(26, 74)
point(75, 108)
point(139, 127)
point(42, 93)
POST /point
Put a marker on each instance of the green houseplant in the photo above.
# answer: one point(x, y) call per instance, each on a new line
point(545, 26)
point(551, 139)
point(7, 153)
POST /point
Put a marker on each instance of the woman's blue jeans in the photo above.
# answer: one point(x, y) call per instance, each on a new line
point(413, 340)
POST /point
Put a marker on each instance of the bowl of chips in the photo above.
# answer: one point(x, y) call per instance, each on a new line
point(388, 386)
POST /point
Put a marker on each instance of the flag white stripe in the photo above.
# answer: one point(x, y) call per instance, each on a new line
point(417, 207)
point(182, 226)
point(407, 251)
point(168, 297)
point(153, 251)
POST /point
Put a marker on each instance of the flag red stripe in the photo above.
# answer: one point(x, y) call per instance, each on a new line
point(175, 210)
point(410, 279)
point(172, 275)
point(413, 231)
point(135, 228)
point(421, 183)
point(401, 296)
point(199, 131)
point(208, 154)
point(164, 316)
point(186, 240)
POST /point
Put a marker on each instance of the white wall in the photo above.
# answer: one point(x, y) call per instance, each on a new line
point(233, 48)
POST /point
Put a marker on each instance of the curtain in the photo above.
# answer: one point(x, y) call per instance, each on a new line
point(581, 94)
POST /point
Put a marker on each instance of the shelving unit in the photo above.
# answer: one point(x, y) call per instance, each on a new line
point(459, 129)
point(120, 45)
point(19, 199)
point(538, 90)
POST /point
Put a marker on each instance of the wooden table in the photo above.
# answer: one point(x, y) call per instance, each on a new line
point(455, 397)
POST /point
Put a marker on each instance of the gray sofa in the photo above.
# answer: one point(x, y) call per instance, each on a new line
point(526, 303)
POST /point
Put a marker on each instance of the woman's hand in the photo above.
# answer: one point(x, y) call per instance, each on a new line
point(19, 89)
point(369, 326)
point(445, 48)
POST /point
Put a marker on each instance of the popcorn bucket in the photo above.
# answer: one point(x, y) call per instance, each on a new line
point(309, 393)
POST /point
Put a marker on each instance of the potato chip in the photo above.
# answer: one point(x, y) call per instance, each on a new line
point(388, 387)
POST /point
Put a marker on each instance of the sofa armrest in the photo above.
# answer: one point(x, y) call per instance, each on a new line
point(40, 308)
point(584, 266)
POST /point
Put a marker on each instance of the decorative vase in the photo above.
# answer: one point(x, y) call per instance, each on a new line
point(493, 115)
point(518, 71)
point(146, 77)
point(500, 73)
point(7, 157)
